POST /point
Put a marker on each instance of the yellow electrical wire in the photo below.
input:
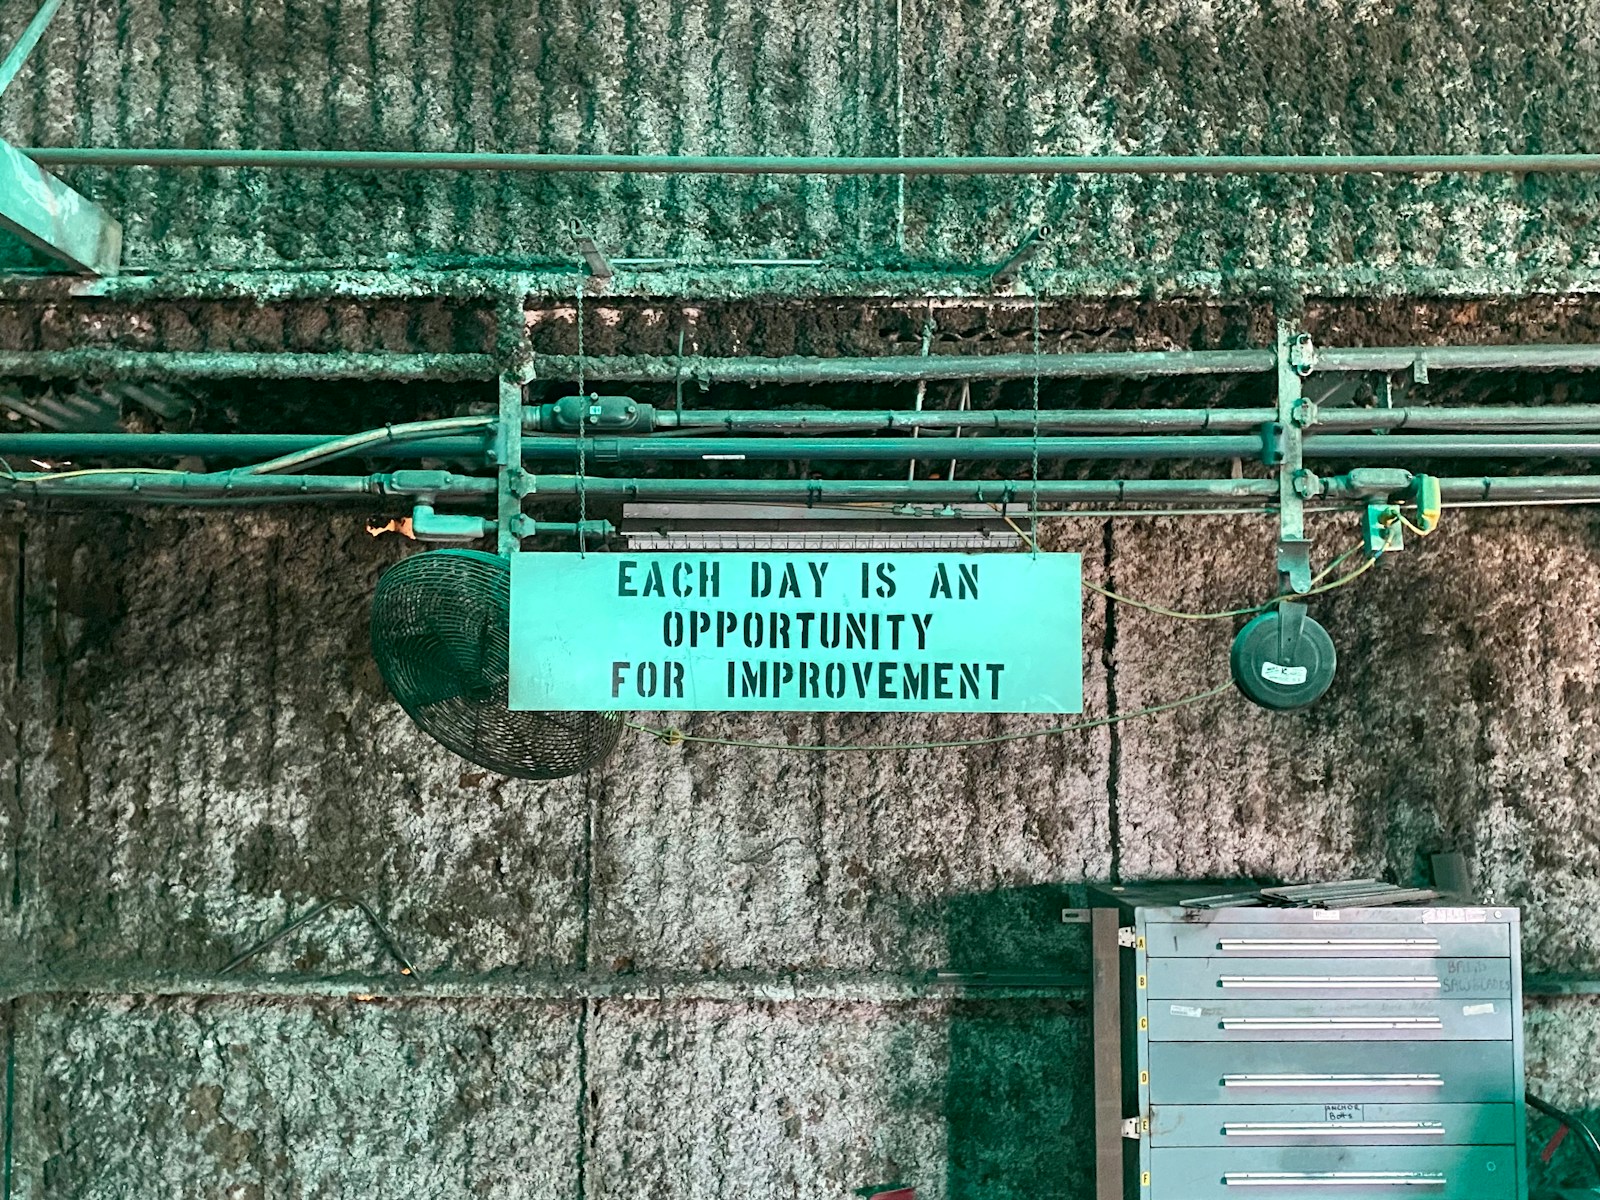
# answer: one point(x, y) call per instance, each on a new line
point(674, 736)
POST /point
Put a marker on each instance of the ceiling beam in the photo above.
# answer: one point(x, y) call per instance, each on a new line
point(54, 219)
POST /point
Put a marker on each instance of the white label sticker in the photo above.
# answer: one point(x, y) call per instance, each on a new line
point(1454, 916)
point(1324, 914)
point(1289, 676)
point(1187, 1010)
point(1477, 1010)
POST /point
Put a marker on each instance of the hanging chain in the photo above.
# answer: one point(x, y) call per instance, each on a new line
point(1033, 509)
point(583, 436)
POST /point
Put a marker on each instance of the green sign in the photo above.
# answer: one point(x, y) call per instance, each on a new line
point(797, 632)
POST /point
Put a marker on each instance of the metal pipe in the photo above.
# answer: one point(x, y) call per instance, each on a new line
point(828, 449)
point(905, 368)
point(1520, 487)
point(219, 364)
point(1450, 445)
point(246, 446)
point(1458, 358)
point(1528, 418)
point(978, 491)
point(1511, 418)
point(1140, 420)
point(713, 164)
point(168, 485)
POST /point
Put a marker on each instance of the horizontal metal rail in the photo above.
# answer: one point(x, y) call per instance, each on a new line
point(225, 364)
point(257, 446)
point(104, 363)
point(978, 491)
point(1050, 420)
point(879, 449)
point(243, 446)
point(224, 485)
point(1458, 358)
point(1387, 447)
point(1255, 493)
point(907, 368)
point(721, 164)
point(1368, 447)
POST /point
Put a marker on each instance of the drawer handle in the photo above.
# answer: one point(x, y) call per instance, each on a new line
point(1346, 983)
point(1320, 1023)
point(1331, 1128)
point(1332, 1179)
point(1337, 1081)
point(1324, 943)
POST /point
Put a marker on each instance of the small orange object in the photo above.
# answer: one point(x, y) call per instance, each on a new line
point(401, 526)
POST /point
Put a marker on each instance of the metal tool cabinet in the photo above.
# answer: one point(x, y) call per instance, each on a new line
point(1297, 1053)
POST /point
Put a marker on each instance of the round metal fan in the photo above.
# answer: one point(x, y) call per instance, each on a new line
point(441, 625)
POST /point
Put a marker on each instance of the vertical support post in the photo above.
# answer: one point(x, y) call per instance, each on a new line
point(515, 355)
point(1106, 999)
point(1284, 448)
point(508, 458)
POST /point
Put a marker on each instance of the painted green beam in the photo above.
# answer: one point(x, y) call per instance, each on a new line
point(220, 364)
point(24, 46)
point(55, 220)
point(711, 164)
point(906, 368)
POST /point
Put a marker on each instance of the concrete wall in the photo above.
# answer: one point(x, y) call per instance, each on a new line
point(843, 77)
point(696, 972)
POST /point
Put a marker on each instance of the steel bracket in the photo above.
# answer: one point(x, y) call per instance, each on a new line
point(1127, 937)
point(1294, 562)
point(1130, 1128)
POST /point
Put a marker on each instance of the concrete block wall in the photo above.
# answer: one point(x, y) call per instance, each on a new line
point(698, 971)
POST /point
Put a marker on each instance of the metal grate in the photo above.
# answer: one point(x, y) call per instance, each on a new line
point(441, 638)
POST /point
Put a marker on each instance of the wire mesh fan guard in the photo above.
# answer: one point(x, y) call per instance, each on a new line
point(441, 636)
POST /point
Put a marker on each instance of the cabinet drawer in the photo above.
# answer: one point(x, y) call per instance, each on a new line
point(1310, 939)
point(1332, 978)
point(1356, 1124)
point(1350, 1173)
point(1331, 1073)
point(1329, 1020)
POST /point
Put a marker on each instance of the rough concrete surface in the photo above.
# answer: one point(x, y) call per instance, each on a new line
point(699, 971)
point(844, 77)
point(206, 752)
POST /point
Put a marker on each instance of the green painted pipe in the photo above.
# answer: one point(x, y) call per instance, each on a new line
point(1143, 420)
point(1131, 420)
point(819, 449)
point(227, 364)
point(1520, 487)
point(979, 491)
point(905, 368)
point(1507, 417)
point(168, 485)
point(245, 446)
point(1458, 358)
point(705, 164)
point(1387, 447)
